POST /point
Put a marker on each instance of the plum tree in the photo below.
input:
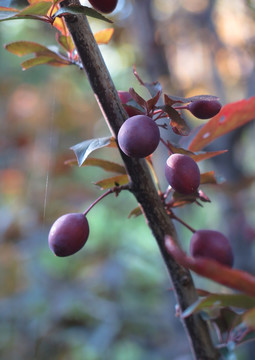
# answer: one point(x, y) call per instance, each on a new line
point(139, 136)
point(104, 6)
point(204, 109)
point(213, 245)
point(68, 234)
point(182, 173)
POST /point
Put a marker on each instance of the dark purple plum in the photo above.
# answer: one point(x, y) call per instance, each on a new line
point(204, 109)
point(213, 245)
point(104, 6)
point(68, 234)
point(139, 136)
point(182, 173)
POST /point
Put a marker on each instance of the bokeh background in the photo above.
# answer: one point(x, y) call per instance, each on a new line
point(112, 300)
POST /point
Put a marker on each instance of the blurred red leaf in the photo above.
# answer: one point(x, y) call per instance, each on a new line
point(104, 36)
point(208, 178)
point(229, 118)
point(232, 278)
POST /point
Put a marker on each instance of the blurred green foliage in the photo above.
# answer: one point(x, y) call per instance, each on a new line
point(112, 300)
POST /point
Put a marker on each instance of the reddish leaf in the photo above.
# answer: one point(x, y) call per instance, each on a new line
point(177, 123)
point(208, 178)
point(195, 156)
point(232, 278)
point(112, 181)
point(104, 36)
point(153, 101)
point(229, 118)
point(138, 99)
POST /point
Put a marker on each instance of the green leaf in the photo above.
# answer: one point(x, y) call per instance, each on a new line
point(135, 212)
point(77, 10)
point(22, 48)
point(105, 165)
point(41, 8)
point(112, 181)
point(221, 300)
point(39, 60)
point(43, 55)
point(83, 149)
point(42, 60)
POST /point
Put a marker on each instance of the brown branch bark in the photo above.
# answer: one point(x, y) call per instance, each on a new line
point(142, 185)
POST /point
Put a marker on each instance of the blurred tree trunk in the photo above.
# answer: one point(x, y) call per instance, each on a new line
point(147, 40)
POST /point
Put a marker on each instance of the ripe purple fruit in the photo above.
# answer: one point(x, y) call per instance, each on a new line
point(104, 6)
point(204, 109)
point(139, 136)
point(213, 245)
point(182, 173)
point(68, 234)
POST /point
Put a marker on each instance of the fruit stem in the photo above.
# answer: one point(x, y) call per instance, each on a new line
point(175, 217)
point(180, 107)
point(115, 189)
point(165, 143)
point(149, 162)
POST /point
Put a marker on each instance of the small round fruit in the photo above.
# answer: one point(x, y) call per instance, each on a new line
point(204, 109)
point(139, 136)
point(104, 6)
point(68, 234)
point(212, 244)
point(182, 173)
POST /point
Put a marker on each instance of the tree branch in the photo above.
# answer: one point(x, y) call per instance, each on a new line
point(141, 183)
